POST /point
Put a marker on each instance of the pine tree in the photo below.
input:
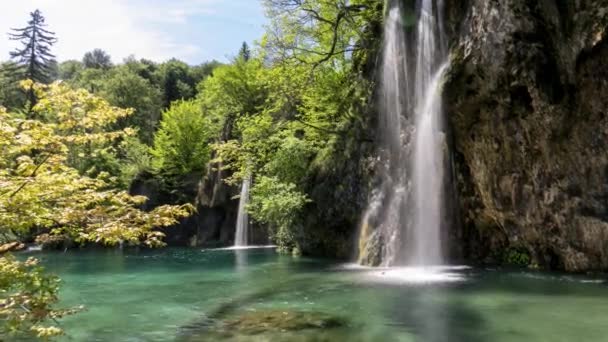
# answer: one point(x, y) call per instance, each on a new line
point(245, 52)
point(35, 56)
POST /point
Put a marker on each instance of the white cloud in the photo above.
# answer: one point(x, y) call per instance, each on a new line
point(121, 27)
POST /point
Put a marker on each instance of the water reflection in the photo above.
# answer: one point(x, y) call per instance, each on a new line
point(241, 260)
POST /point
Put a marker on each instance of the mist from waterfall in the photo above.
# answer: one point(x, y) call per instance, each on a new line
point(407, 208)
point(242, 221)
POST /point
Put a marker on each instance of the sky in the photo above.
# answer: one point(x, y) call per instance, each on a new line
point(194, 31)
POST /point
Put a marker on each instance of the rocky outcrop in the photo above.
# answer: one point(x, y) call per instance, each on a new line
point(215, 218)
point(11, 247)
point(527, 99)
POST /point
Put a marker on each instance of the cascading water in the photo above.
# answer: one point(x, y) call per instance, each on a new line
point(242, 221)
point(407, 208)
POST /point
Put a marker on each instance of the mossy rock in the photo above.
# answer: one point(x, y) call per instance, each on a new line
point(252, 323)
point(266, 324)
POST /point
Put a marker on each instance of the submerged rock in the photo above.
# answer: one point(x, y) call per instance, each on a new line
point(265, 323)
point(279, 320)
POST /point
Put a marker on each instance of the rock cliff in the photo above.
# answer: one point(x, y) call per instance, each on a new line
point(527, 100)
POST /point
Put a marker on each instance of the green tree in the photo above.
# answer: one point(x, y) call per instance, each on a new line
point(204, 70)
point(90, 79)
point(245, 52)
point(39, 188)
point(181, 145)
point(175, 81)
point(127, 89)
point(144, 68)
point(278, 205)
point(11, 95)
point(97, 59)
point(69, 70)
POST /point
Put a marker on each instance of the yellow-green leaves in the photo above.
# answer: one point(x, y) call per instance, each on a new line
point(40, 187)
point(181, 145)
point(26, 299)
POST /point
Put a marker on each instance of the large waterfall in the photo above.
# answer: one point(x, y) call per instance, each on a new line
point(242, 221)
point(407, 208)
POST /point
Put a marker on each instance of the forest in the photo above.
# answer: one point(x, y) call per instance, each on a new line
point(351, 160)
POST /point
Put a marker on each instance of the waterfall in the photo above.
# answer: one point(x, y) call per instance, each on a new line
point(407, 208)
point(242, 221)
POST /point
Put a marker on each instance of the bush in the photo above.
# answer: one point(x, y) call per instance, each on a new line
point(277, 204)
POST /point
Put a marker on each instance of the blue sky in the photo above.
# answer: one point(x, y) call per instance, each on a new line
point(191, 30)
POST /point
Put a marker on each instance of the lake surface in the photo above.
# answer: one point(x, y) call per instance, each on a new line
point(211, 295)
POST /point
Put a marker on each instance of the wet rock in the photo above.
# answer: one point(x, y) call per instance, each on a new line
point(371, 248)
point(526, 99)
point(12, 247)
point(54, 242)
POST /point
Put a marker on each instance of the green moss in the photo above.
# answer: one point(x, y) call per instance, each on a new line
point(517, 256)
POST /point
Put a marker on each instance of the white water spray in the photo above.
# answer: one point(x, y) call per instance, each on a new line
point(242, 221)
point(408, 209)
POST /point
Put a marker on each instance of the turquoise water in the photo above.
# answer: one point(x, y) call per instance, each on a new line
point(190, 294)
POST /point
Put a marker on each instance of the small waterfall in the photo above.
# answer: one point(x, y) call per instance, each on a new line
point(407, 208)
point(242, 221)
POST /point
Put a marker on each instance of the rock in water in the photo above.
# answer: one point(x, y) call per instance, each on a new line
point(12, 247)
point(271, 324)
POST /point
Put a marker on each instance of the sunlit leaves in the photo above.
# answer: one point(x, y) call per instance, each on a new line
point(181, 145)
point(27, 296)
point(40, 187)
point(276, 204)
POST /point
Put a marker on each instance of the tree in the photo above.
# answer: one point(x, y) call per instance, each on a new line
point(97, 59)
point(39, 189)
point(126, 89)
point(204, 70)
point(144, 68)
point(181, 145)
point(11, 95)
point(317, 31)
point(176, 81)
point(34, 58)
point(70, 70)
point(244, 52)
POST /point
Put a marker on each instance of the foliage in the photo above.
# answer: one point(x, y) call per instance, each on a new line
point(11, 95)
point(181, 143)
point(34, 58)
point(291, 160)
point(176, 81)
point(277, 204)
point(516, 256)
point(316, 31)
point(234, 90)
point(69, 70)
point(289, 109)
point(244, 52)
point(40, 188)
point(97, 59)
point(27, 297)
point(126, 89)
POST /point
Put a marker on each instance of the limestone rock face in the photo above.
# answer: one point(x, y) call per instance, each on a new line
point(527, 102)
